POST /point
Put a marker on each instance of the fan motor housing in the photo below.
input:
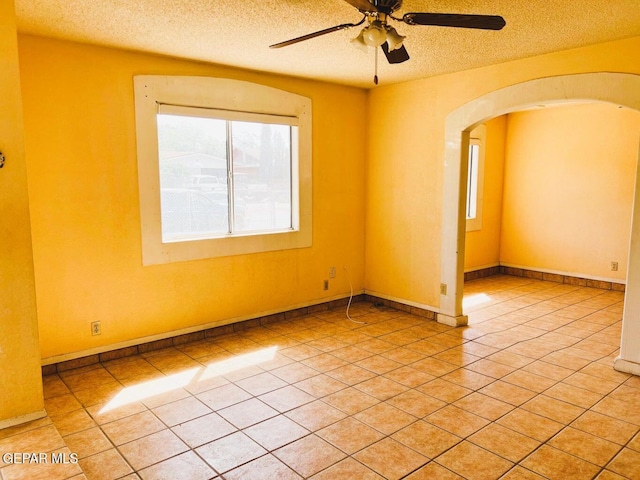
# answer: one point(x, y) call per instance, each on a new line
point(387, 6)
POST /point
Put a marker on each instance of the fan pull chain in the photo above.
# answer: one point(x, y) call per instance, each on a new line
point(375, 76)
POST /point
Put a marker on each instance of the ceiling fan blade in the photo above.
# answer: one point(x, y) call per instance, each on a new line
point(362, 5)
point(316, 34)
point(485, 22)
point(398, 55)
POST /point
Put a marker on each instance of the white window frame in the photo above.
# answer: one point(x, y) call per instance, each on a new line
point(477, 137)
point(228, 95)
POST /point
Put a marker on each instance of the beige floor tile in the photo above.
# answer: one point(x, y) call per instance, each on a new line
point(390, 458)
point(88, 442)
point(444, 390)
point(203, 430)
point(287, 398)
point(473, 462)
point(350, 435)
point(618, 409)
point(490, 368)
point(247, 413)
point(416, 403)
point(325, 362)
point(53, 386)
point(181, 411)
point(548, 370)
point(504, 442)
point(151, 449)
point(61, 405)
point(186, 466)
point(309, 455)
point(530, 381)
point(347, 468)
point(457, 421)
point(231, 451)
point(626, 463)
point(553, 408)
point(276, 432)
point(132, 427)
point(468, 379)
point(484, 406)
point(224, 396)
point(574, 395)
point(508, 393)
point(584, 445)
point(426, 438)
point(519, 473)
point(606, 427)
point(107, 465)
point(351, 374)
point(321, 386)
point(315, 415)
point(385, 418)
point(381, 388)
point(262, 383)
point(433, 471)
point(433, 366)
point(555, 464)
point(530, 424)
point(409, 376)
point(294, 372)
point(351, 400)
point(42, 439)
point(266, 467)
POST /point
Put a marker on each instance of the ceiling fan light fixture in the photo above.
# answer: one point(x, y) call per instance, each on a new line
point(374, 34)
point(359, 42)
point(394, 39)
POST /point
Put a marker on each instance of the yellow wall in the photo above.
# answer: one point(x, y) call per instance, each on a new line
point(20, 384)
point(79, 121)
point(405, 163)
point(482, 247)
point(569, 181)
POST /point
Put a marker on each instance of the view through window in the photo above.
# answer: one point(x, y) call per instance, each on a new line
point(221, 177)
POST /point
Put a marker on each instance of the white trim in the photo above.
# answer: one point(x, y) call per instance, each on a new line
point(226, 95)
point(616, 88)
point(30, 417)
point(184, 331)
point(626, 366)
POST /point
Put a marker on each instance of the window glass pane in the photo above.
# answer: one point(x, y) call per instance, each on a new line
point(261, 176)
point(193, 175)
point(472, 181)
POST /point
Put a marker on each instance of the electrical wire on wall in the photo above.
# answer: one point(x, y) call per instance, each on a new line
point(351, 298)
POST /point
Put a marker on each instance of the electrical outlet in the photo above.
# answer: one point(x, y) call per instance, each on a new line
point(332, 272)
point(443, 289)
point(96, 328)
point(326, 285)
point(614, 266)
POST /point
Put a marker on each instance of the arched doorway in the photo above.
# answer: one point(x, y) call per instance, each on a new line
point(618, 88)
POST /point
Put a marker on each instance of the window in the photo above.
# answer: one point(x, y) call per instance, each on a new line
point(224, 168)
point(475, 179)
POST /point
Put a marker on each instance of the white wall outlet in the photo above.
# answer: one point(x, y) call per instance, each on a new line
point(96, 328)
point(443, 289)
point(332, 272)
point(614, 266)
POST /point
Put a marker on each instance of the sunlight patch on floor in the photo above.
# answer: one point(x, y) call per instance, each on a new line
point(151, 388)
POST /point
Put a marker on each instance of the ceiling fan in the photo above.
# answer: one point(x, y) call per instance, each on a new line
point(378, 33)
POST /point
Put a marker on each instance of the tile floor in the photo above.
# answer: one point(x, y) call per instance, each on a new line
point(526, 391)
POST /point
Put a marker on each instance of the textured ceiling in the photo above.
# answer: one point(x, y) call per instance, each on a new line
point(238, 32)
